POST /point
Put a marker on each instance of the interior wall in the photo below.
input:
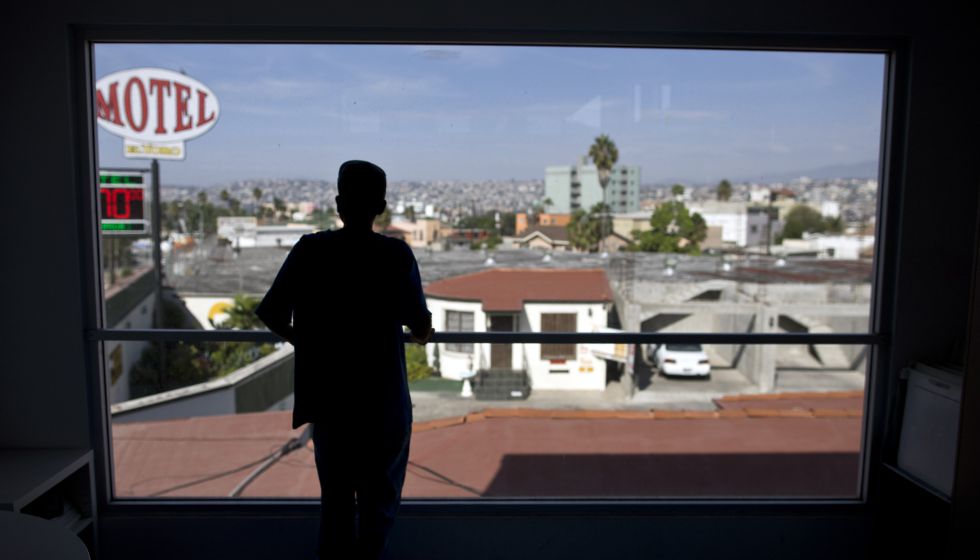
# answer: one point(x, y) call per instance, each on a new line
point(43, 398)
point(530, 537)
point(43, 394)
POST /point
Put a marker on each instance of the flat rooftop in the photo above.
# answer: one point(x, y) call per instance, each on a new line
point(770, 445)
point(214, 269)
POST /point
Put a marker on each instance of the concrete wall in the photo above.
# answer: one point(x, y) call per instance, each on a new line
point(139, 317)
point(256, 387)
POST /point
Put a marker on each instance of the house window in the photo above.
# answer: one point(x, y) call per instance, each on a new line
point(558, 322)
point(459, 321)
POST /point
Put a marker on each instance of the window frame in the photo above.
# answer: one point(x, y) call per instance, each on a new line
point(879, 413)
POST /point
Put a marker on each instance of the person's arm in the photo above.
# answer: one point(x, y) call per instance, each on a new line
point(424, 332)
point(416, 313)
point(276, 308)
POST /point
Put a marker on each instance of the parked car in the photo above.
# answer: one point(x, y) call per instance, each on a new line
point(681, 360)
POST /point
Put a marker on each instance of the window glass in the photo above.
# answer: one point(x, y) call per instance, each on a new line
point(541, 189)
point(690, 430)
point(461, 321)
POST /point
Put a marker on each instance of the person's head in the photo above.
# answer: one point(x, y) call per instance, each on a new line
point(361, 186)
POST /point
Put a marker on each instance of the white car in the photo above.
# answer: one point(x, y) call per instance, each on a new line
point(682, 359)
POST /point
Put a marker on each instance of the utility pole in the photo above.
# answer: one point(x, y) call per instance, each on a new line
point(772, 195)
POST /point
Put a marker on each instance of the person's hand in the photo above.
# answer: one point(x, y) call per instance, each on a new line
point(422, 340)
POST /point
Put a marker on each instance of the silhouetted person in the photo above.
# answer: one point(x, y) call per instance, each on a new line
point(341, 298)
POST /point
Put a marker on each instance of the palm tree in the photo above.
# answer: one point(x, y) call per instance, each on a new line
point(604, 155)
point(724, 190)
point(257, 193)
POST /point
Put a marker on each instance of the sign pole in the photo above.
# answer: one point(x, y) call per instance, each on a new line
point(155, 221)
point(157, 265)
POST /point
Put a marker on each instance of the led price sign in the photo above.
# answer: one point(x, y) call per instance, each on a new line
point(122, 198)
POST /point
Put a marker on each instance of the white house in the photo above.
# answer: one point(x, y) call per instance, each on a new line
point(529, 300)
point(244, 232)
point(848, 247)
point(548, 238)
point(741, 225)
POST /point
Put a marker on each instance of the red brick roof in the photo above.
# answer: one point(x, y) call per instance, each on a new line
point(503, 289)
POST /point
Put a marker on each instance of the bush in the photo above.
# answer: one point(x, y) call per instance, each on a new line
point(416, 362)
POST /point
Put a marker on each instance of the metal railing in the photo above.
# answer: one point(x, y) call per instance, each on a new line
point(228, 335)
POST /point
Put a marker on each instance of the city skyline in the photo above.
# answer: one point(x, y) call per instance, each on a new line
point(486, 113)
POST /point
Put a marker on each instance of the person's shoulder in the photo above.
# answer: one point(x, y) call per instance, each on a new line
point(315, 241)
point(317, 237)
point(396, 245)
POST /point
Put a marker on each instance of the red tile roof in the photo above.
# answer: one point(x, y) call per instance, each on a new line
point(503, 289)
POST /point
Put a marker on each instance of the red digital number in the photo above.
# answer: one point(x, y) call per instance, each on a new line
point(117, 203)
point(121, 195)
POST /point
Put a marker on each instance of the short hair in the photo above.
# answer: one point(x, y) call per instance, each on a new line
point(361, 182)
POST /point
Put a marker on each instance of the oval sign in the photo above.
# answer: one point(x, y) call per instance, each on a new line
point(154, 105)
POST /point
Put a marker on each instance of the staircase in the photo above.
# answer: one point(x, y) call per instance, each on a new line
point(501, 385)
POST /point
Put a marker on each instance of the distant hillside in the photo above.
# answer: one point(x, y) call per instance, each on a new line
point(860, 170)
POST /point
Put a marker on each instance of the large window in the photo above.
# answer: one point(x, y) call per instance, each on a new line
point(682, 242)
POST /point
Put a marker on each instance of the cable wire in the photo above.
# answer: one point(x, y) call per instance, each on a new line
point(292, 445)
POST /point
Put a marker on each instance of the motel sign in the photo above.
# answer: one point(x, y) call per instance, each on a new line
point(154, 110)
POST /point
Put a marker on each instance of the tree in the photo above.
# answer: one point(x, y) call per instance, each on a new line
point(224, 195)
point(677, 190)
point(835, 225)
point(508, 223)
point(202, 197)
point(585, 230)
point(383, 220)
point(724, 191)
point(257, 195)
point(226, 357)
point(241, 314)
point(489, 242)
point(673, 229)
point(488, 221)
point(324, 219)
point(416, 363)
point(802, 219)
point(604, 155)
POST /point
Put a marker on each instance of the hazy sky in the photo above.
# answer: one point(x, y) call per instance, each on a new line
point(473, 113)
